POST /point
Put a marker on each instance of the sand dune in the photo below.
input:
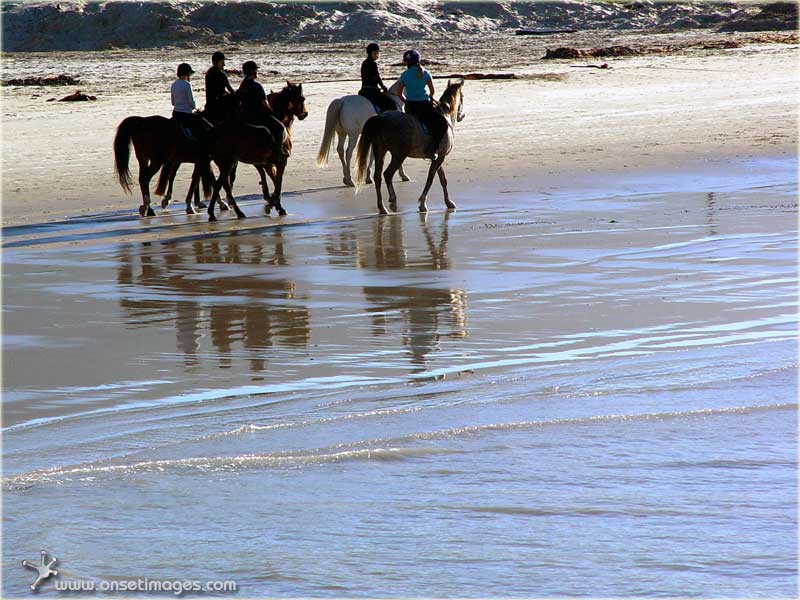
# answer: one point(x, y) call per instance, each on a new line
point(82, 25)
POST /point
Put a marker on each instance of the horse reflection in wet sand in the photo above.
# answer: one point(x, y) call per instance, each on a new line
point(422, 317)
point(232, 309)
point(402, 136)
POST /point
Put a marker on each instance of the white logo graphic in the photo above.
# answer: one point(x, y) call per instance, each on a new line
point(44, 569)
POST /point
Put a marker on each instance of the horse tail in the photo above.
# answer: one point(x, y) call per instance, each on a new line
point(207, 179)
point(163, 179)
point(331, 120)
point(369, 134)
point(122, 150)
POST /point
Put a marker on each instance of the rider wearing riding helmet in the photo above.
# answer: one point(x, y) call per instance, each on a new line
point(256, 109)
point(217, 87)
point(419, 103)
point(372, 87)
point(183, 104)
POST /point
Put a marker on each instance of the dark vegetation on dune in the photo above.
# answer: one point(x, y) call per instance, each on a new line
point(77, 25)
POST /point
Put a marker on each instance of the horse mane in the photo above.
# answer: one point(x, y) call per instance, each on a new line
point(446, 100)
point(279, 101)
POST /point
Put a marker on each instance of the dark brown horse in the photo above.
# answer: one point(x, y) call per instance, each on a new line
point(229, 110)
point(157, 141)
point(236, 142)
point(401, 135)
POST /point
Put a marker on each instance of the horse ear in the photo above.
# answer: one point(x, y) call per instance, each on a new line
point(448, 83)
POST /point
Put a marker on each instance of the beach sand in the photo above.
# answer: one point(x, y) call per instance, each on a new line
point(560, 124)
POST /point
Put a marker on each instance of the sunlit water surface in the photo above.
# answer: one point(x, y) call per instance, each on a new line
point(577, 396)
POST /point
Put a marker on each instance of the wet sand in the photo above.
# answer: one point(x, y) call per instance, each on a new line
point(386, 393)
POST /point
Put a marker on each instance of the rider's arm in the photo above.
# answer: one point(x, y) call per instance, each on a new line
point(430, 87)
point(400, 88)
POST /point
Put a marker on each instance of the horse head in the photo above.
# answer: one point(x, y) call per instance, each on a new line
point(452, 101)
point(289, 101)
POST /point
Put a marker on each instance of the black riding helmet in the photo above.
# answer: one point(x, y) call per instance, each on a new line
point(184, 69)
point(249, 68)
point(216, 57)
point(372, 48)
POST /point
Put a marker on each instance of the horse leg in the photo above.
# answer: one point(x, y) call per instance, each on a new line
point(198, 203)
point(378, 168)
point(351, 146)
point(221, 180)
point(223, 205)
point(146, 173)
point(193, 191)
point(262, 173)
point(346, 177)
point(403, 175)
point(394, 164)
point(278, 181)
point(168, 195)
point(443, 180)
point(435, 164)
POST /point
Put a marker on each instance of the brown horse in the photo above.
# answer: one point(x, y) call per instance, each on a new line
point(229, 110)
point(236, 142)
point(157, 141)
point(402, 135)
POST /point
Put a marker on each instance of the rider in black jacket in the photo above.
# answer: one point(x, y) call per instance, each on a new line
point(217, 87)
point(372, 87)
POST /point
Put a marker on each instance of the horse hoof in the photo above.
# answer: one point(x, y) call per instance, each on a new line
point(211, 218)
point(240, 215)
point(190, 211)
point(349, 182)
point(142, 210)
point(223, 206)
point(405, 178)
point(423, 208)
point(164, 203)
point(150, 212)
point(450, 205)
point(282, 212)
point(267, 210)
point(200, 204)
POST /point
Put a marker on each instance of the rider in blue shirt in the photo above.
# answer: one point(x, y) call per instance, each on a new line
point(415, 83)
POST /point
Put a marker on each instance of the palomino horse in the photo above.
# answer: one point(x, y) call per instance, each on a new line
point(403, 136)
point(346, 117)
point(236, 142)
point(157, 141)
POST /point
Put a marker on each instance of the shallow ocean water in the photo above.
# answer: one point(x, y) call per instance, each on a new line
point(577, 395)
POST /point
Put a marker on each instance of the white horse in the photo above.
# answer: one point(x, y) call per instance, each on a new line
point(346, 116)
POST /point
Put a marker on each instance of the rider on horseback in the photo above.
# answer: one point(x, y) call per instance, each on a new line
point(418, 103)
point(257, 111)
point(183, 104)
point(372, 87)
point(217, 88)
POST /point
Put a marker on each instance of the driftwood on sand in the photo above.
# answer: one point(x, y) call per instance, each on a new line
point(77, 96)
point(40, 81)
